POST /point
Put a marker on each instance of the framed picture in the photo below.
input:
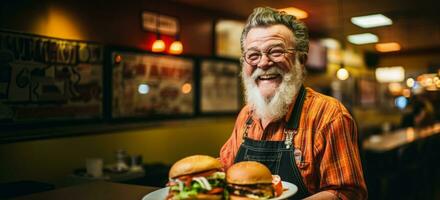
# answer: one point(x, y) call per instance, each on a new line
point(220, 86)
point(316, 57)
point(367, 92)
point(46, 79)
point(164, 24)
point(227, 38)
point(148, 85)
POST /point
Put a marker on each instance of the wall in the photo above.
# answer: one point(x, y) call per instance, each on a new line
point(107, 22)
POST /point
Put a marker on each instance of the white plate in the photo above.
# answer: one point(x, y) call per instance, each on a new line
point(289, 190)
point(160, 194)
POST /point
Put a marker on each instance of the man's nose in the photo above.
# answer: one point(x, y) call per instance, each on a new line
point(265, 62)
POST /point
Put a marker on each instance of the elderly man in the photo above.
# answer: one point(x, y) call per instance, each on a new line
point(307, 138)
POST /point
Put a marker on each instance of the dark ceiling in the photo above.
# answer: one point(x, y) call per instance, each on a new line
point(416, 24)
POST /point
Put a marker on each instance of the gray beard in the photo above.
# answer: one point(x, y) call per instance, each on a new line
point(275, 107)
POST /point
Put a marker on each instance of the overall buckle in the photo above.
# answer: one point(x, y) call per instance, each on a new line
point(289, 136)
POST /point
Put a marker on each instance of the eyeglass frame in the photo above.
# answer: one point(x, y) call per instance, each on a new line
point(261, 53)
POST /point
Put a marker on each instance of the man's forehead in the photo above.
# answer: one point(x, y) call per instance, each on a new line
point(274, 33)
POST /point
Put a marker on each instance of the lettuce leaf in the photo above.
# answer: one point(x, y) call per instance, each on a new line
point(217, 179)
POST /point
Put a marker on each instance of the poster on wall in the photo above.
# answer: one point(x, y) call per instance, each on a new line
point(46, 79)
point(151, 85)
point(220, 86)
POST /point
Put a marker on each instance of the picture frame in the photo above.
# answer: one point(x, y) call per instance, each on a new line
point(46, 79)
point(156, 22)
point(48, 84)
point(367, 92)
point(148, 85)
point(220, 89)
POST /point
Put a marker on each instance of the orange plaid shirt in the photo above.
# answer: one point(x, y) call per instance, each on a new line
point(327, 138)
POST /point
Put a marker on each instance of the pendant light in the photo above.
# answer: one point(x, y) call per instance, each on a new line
point(176, 47)
point(158, 44)
point(342, 73)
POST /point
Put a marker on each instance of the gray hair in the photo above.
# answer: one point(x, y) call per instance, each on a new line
point(265, 16)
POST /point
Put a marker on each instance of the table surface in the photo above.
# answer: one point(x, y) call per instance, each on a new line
point(388, 141)
point(94, 191)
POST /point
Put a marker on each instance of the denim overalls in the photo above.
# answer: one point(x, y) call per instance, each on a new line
point(278, 156)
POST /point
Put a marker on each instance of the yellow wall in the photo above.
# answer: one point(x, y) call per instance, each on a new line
point(52, 160)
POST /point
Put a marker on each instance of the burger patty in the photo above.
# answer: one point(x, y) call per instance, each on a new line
point(262, 190)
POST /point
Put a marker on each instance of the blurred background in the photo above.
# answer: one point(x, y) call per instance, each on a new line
point(139, 84)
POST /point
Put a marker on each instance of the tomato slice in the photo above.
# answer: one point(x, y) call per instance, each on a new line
point(187, 179)
point(171, 183)
point(277, 185)
point(188, 182)
point(205, 173)
point(215, 190)
point(202, 174)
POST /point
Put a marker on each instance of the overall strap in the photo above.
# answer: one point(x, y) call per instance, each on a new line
point(293, 122)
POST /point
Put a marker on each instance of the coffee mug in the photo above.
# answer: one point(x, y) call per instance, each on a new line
point(94, 167)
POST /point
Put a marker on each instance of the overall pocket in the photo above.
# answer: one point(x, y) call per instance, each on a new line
point(270, 159)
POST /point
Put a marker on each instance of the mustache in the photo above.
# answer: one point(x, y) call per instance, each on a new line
point(273, 70)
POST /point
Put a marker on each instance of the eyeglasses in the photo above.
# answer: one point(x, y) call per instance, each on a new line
point(276, 54)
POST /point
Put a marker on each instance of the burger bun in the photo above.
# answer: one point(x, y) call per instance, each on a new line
point(194, 164)
point(208, 197)
point(247, 173)
point(234, 197)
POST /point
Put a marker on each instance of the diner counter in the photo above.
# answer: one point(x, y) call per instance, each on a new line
point(389, 141)
point(96, 190)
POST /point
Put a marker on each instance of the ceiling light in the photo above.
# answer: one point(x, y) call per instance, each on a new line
point(143, 88)
point(331, 43)
point(176, 47)
point(430, 82)
point(158, 46)
point(298, 13)
point(369, 21)
point(401, 102)
point(410, 82)
point(406, 92)
point(186, 88)
point(364, 38)
point(388, 47)
point(342, 74)
point(395, 88)
point(390, 74)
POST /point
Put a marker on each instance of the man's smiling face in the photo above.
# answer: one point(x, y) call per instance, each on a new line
point(268, 74)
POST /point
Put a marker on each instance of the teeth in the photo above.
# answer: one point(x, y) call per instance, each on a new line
point(268, 76)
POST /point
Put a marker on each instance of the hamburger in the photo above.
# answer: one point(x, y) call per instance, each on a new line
point(196, 177)
point(250, 180)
